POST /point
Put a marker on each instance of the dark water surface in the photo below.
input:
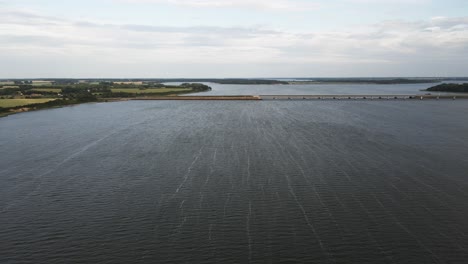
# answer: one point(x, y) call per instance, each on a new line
point(236, 182)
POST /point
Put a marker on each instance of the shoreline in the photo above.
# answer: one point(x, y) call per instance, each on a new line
point(25, 109)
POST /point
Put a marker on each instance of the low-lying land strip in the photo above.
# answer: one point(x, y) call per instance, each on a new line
point(235, 81)
point(366, 81)
point(450, 87)
point(69, 92)
point(150, 90)
point(234, 97)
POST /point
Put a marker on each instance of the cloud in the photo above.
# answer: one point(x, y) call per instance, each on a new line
point(31, 37)
point(280, 5)
point(380, 2)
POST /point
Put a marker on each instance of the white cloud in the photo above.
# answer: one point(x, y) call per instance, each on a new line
point(380, 2)
point(29, 38)
point(297, 5)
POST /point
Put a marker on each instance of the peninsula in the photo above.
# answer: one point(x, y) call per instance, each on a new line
point(26, 95)
point(450, 87)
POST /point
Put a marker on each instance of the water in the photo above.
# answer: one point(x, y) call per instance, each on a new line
point(236, 182)
point(319, 89)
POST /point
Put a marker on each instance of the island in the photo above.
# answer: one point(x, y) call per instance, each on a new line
point(450, 87)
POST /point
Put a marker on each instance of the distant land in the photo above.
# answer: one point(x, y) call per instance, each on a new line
point(19, 95)
point(242, 81)
point(26, 95)
point(364, 81)
point(450, 87)
point(150, 81)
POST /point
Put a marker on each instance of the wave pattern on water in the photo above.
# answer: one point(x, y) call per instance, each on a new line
point(236, 182)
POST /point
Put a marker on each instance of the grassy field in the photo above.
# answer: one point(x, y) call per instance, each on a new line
point(49, 90)
point(151, 91)
point(41, 83)
point(5, 103)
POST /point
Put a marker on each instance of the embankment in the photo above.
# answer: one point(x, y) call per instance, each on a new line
point(198, 98)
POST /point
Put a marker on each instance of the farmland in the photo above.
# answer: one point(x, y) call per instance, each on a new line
point(6, 103)
point(60, 93)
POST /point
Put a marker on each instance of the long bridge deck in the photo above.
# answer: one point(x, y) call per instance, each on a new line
point(362, 97)
point(310, 97)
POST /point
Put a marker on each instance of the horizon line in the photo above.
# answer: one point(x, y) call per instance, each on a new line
point(221, 78)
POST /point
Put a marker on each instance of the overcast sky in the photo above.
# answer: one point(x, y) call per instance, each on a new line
point(233, 38)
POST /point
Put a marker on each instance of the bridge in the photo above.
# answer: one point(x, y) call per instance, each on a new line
point(308, 97)
point(362, 97)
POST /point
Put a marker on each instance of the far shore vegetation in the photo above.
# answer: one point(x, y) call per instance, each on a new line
point(450, 87)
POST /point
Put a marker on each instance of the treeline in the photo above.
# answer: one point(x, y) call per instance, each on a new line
point(103, 89)
point(211, 80)
point(158, 82)
point(133, 95)
point(450, 87)
point(23, 88)
point(367, 80)
point(192, 81)
point(70, 90)
point(248, 81)
point(195, 87)
point(154, 82)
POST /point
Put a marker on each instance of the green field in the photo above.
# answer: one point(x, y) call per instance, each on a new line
point(6, 103)
point(151, 90)
point(48, 90)
point(41, 83)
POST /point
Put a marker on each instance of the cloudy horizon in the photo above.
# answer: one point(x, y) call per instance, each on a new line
point(229, 39)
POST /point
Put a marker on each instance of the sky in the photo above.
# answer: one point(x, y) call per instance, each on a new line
point(233, 38)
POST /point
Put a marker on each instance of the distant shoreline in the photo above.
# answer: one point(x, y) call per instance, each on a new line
point(382, 98)
point(244, 81)
point(64, 92)
point(28, 95)
point(450, 87)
